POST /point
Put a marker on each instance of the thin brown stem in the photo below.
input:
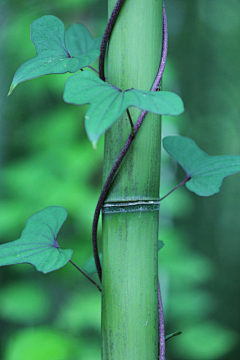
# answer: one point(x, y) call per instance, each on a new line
point(176, 187)
point(92, 281)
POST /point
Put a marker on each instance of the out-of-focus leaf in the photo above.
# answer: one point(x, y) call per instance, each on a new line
point(72, 318)
point(38, 344)
point(57, 52)
point(206, 172)
point(108, 103)
point(24, 302)
point(205, 341)
point(38, 242)
point(90, 266)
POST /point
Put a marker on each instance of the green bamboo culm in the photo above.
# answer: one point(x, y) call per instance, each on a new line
point(130, 213)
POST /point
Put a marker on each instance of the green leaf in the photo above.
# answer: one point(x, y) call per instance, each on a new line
point(206, 173)
point(108, 103)
point(89, 266)
point(160, 244)
point(37, 244)
point(57, 52)
point(176, 333)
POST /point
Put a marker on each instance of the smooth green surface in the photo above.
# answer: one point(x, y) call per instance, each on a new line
point(206, 172)
point(90, 266)
point(108, 103)
point(130, 313)
point(37, 244)
point(57, 52)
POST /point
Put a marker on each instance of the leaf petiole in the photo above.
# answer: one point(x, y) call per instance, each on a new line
point(92, 68)
point(92, 281)
point(176, 187)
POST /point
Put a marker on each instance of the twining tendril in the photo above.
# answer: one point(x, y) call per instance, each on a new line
point(129, 140)
point(161, 328)
point(106, 37)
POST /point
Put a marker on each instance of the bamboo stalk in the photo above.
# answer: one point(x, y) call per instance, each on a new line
point(130, 213)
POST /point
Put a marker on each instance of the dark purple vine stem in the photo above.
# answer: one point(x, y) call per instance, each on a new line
point(176, 187)
point(92, 281)
point(129, 140)
point(161, 327)
point(106, 36)
point(92, 68)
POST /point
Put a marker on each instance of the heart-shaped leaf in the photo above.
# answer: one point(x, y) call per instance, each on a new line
point(57, 52)
point(37, 244)
point(108, 103)
point(206, 172)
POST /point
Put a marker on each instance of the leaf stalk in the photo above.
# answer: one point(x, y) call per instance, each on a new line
point(92, 281)
point(176, 187)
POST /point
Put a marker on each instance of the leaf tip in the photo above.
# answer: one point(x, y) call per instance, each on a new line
point(12, 87)
point(94, 145)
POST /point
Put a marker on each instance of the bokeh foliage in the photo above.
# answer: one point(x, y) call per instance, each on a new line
point(46, 159)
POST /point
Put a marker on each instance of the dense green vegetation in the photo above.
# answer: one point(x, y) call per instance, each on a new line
point(46, 159)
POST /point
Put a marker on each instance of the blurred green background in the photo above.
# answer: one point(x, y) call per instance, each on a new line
point(46, 159)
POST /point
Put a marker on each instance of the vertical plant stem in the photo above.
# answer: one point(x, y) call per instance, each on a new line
point(130, 212)
point(127, 145)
